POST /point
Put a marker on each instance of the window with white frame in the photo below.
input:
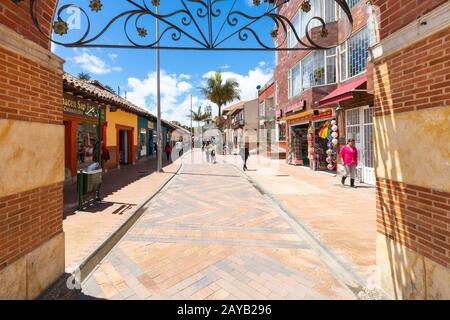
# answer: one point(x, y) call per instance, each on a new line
point(292, 40)
point(294, 81)
point(354, 54)
point(261, 110)
point(330, 63)
point(308, 72)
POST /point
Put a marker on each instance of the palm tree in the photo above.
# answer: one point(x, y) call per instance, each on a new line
point(221, 92)
point(84, 76)
point(200, 116)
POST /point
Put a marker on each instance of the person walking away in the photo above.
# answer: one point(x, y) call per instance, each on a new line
point(245, 153)
point(168, 150)
point(208, 151)
point(213, 153)
point(105, 156)
point(179, 148)
point(349, 156)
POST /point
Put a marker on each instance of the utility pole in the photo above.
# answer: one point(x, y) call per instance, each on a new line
point(192, 131)
point(158, 96)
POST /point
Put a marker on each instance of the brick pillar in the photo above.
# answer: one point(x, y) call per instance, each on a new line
point(412, 98)
point(31, 154)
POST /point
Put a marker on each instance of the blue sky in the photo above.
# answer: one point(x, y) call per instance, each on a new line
point(182, 71)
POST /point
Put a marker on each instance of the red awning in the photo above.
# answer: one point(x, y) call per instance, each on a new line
point(344, 92)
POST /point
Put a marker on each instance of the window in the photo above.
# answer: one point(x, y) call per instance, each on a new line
point(343, 58)
point(294, 81)
point(292, 40)
point(352, 3)
point(330, 61)
point(308, 71)
point(261, 110)
point(354, 54)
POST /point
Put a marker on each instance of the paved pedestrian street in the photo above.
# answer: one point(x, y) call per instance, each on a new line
point(211, 235)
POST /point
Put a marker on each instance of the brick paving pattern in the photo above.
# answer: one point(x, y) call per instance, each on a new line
point(324, 206)
point(211, 235)
point(123, 190)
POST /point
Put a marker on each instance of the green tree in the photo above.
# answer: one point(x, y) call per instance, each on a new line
point(110, 89)
point(199, 117)
point(84, 76)
point(221, 92)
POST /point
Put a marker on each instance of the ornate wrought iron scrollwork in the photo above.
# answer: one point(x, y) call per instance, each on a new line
point(199, 25)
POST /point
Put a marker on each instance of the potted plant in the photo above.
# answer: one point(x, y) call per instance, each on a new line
point(318, 74)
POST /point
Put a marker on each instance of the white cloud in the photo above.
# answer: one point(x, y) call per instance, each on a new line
point(175, 101)
point(113, 56)
point(247, 82)
point(92, 63)
point(54, 47)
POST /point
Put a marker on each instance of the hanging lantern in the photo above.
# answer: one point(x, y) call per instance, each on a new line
point(334, 135)
point(334, 141)
point(334, 128)
point(329, 152)
point(333, 122)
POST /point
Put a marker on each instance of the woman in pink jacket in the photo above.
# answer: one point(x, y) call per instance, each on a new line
point(349, 155)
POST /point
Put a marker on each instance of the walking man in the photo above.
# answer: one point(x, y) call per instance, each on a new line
point(349, 155)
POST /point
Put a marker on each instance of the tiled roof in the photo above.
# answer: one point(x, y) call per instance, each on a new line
point(231, 109)
point(95, 88)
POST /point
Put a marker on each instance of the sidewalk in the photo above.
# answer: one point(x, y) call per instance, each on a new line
point(343, 218)
point(122, 191)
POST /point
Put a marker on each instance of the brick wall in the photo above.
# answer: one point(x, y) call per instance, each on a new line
point(414, 78)
point(17, 17)
point(396, 14)
point(29, 91)
point(28, 219)
point(416, 217)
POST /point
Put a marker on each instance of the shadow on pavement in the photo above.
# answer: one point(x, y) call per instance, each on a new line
point(113, 181)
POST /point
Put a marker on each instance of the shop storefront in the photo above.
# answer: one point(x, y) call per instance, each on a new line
point(299, 145)
point(82, 133)
point(325, 152)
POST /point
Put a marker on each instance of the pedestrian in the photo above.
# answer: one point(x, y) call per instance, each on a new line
point(208, 151)
point(168, 150)
point(349, 156)
point(213, 153)
point(105, 156)
point(155, 147)
point(179, 147)
point(245, 154)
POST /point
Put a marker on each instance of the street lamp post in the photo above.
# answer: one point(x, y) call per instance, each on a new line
point(158, 97)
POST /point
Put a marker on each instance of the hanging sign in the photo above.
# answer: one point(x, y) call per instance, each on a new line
point(323, 115)
point(299, 106)
point(81, 107)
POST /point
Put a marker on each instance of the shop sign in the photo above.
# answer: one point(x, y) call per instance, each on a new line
point(299, 106)
point(323, 115)
point(151, 125)
point(81, 108)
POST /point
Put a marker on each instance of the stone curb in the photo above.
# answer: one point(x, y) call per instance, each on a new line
point(340, 267)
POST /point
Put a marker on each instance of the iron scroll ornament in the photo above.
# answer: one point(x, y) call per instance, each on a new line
point(196, 20)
